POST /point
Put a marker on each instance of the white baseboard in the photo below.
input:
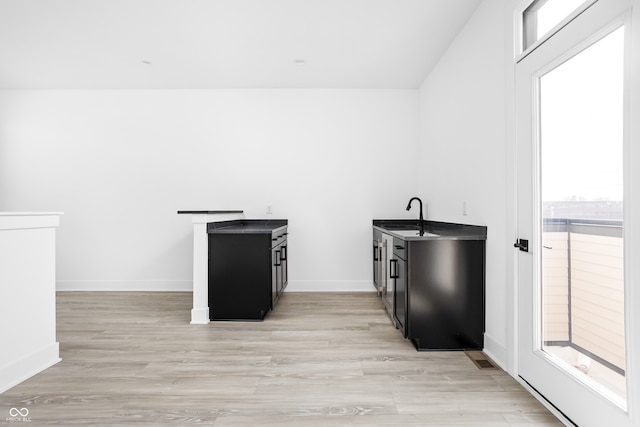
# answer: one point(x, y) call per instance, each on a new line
point(125, 285)
point(496, 351)
point(16, 372)
point(200, 316)
point(330, 286)
point(187, 286)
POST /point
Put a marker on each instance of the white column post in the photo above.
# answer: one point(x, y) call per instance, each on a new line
point(200, 310)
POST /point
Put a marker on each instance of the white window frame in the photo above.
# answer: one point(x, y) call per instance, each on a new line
point(519, 33)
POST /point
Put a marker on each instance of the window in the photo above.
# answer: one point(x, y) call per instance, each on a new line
point(581, 171)
point(541, 16)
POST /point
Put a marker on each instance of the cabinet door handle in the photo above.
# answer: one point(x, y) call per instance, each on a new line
point(375, 254)
point(283, 253)
point(393, 272)
point(278, 261)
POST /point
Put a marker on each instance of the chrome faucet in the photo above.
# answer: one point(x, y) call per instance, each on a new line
point(421, 223)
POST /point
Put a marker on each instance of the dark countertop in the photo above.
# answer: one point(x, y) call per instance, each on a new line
point(211, 212)
point(246, 226)
point(408, 229)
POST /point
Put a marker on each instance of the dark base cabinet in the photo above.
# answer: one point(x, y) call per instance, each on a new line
point(247, 270)
point(279, 265)
point(437, 272)
point(440, 293)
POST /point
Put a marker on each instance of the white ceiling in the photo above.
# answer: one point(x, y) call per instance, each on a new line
point(203, 44)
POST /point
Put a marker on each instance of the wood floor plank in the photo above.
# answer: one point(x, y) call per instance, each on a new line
point(319, 359)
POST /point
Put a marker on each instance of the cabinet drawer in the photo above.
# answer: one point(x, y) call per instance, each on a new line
point(400, 248)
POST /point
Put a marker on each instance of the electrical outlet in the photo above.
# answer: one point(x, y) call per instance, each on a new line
point(269, 211)
point(464, 208)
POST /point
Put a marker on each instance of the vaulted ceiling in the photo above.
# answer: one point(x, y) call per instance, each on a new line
point(206, 44)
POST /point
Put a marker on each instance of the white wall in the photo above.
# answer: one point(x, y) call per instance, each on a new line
point(464, 148)
point(121, 163)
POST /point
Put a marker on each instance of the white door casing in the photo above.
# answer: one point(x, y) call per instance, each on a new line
point(571, 396)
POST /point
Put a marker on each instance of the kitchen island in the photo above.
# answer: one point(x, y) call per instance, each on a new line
point(432, 278)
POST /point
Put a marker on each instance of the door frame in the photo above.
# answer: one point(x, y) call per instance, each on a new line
point(631, 207)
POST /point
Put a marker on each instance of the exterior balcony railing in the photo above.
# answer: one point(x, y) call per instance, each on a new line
point(583, 288)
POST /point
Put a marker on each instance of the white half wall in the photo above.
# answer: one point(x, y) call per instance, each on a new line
point(120, 164)
point(27, 295)
point(463, 110)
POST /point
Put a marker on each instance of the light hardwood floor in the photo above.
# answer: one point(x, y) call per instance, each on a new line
point(320, 359)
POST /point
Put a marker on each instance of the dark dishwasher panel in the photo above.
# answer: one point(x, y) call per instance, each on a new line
point(239, 273)
point(446, 295)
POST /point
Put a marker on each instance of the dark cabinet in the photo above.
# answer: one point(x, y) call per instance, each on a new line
point(377, 260)
point(398, 272)
point(279, 265)
point(439, 299)
point(284, 266)
point(247, 268)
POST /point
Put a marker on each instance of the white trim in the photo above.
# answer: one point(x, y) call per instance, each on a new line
point(519, 53)
point(30, 213)
point(187, 286)
point(496, 351)
point(125, 285)
point(20, 370)
point(200, 316)
point(631, 231)
point(25, 221)
point(512, 201)
point(330, 286)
